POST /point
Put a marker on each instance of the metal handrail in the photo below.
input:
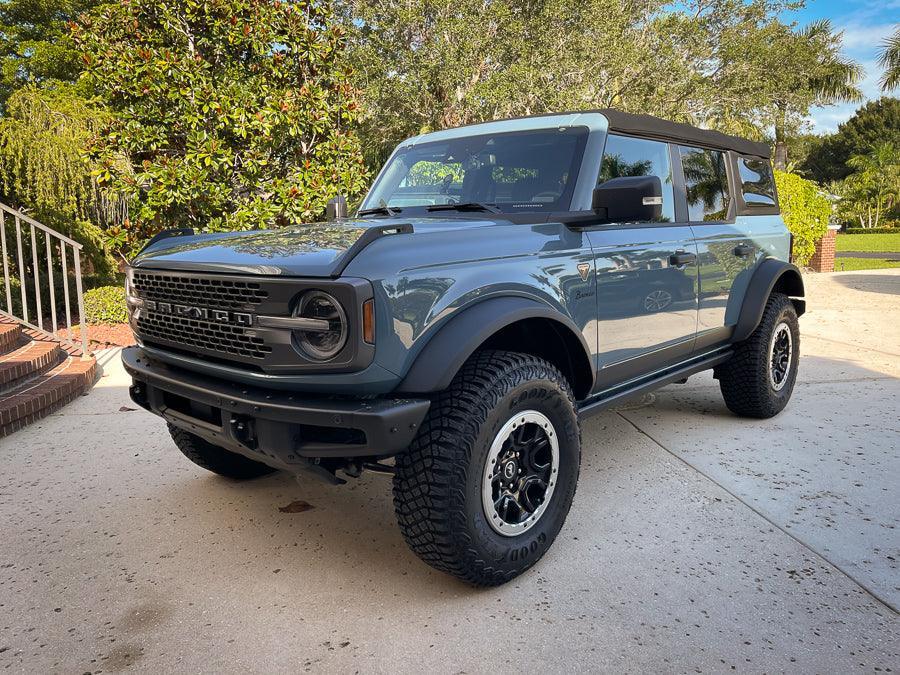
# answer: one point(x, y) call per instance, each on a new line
point(51, 238)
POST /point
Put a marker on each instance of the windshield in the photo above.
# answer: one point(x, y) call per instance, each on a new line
point(515, 171)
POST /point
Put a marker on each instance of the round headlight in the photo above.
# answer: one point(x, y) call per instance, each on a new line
point(324, 342)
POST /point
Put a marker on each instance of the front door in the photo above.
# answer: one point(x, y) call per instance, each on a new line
point(646, 274)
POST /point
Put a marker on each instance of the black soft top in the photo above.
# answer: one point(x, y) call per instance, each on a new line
point(647, 125)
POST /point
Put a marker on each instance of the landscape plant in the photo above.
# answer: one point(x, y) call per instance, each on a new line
point(224, 115)
point(806, 212)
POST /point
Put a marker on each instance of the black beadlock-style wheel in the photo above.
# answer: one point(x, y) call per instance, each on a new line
point(759, 379)
point(218, 460)
point(487, 483)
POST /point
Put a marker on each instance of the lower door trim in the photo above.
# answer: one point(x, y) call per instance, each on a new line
point(620, 393)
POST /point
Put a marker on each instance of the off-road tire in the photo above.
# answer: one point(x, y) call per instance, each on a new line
point(745, 378)
point(438, 481)
point(218, 460)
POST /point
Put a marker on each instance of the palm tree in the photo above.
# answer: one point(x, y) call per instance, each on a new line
point(828, 76)
point(876, 180)
point(889, 59)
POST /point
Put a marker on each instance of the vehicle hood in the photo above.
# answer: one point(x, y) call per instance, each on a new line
point(312, 250)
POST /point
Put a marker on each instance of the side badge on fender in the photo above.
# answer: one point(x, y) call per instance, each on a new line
point(583, 270)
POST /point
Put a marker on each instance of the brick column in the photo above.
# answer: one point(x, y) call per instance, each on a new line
point(823, 258)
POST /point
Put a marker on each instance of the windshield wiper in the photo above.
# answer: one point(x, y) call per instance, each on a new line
point(465, 206)
point(380, 211)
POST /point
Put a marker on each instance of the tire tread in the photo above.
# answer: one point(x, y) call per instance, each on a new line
point(429, 485)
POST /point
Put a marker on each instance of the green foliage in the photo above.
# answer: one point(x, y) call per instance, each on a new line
point(231, 115)
point(875, 122)
point(789, 71)
point(887, 229)
point(35, 45)
point(105, 304)
point(43, 172)
point(871, 191)
point(805, 210)
point(889, 59)
point(424, 65)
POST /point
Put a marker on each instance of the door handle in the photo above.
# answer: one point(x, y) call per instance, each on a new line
point(680, 259)
point(743, 251)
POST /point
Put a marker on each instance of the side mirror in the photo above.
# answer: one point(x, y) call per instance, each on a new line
point(628, 199)
point(336, 208)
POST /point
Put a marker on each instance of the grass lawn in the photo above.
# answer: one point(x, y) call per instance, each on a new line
point(868, 242)
point(849, 264)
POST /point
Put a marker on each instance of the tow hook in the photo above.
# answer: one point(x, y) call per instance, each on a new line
point(242, 428)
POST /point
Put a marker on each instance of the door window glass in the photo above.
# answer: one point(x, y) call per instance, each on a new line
point(706, 183)
point(757, 181)
point(626, 156)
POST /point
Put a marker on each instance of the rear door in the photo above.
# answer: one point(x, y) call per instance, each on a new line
point(646, 274)
point(727, 253)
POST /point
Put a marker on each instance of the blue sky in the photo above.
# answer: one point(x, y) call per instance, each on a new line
point(866, 23)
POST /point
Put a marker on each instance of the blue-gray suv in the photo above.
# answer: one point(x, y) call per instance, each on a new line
point(499, 283)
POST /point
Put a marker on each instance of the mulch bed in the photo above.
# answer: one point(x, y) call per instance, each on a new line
point(104, 335)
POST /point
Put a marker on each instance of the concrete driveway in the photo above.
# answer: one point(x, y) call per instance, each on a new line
point(697, 542)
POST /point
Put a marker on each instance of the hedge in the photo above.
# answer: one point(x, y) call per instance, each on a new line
point(806, 212)
point(871, 230)
point(105, 305)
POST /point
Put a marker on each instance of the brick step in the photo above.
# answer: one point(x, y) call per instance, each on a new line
point(46, 393)
point(11, 336)
point(27, 362)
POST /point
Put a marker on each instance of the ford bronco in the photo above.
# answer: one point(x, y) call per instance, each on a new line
point(500, 282)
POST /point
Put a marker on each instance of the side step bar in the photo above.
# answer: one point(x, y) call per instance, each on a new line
point(623, 392)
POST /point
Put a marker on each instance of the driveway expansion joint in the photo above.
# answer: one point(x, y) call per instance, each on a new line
point(813, 551)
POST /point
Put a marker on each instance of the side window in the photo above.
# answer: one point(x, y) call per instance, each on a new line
point(757, 181)
point(705, 182)
point(626, 156)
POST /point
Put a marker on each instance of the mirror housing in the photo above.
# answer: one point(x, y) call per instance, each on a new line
point(336, 208)
point(628, 199)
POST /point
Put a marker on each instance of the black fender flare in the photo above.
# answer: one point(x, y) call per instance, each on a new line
point(770, 275)
point(456, 340)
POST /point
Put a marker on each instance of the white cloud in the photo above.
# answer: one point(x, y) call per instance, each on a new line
point(861, 42)
point(862, 39)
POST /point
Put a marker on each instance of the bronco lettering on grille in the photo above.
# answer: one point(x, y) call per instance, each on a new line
point(201, 313)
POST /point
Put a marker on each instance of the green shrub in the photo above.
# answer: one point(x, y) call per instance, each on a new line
point(871, 230)
point(105, 304)
point(806, 212)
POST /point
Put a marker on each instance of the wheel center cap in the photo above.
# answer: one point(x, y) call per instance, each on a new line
point(509, 470)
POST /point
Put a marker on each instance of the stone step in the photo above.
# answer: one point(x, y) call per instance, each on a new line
point(46, 393)
point(11, 336)
point(27, 362)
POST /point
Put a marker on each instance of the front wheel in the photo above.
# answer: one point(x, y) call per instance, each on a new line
point(487, 483)
point(218, 460)
point(757, 381)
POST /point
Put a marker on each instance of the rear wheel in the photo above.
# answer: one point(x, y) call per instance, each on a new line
point(759, 379)
point(216, 459)
point(487, 483)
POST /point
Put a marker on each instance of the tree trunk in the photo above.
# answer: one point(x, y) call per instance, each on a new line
point(780, 145)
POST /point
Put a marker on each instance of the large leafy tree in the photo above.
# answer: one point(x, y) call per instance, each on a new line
point(226, 114)
point(727, 64)
point(875, 122)
point(872, 189)
point(431, 64)
point(35, 44)
point(792, 71)
point(889, 59)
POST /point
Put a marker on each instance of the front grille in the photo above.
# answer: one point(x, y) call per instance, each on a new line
point(205, 292)
point(216, 337)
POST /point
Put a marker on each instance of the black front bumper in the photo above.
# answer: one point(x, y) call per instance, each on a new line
point(275, 427)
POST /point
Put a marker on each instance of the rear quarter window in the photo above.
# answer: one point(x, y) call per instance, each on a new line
point(757, 181)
